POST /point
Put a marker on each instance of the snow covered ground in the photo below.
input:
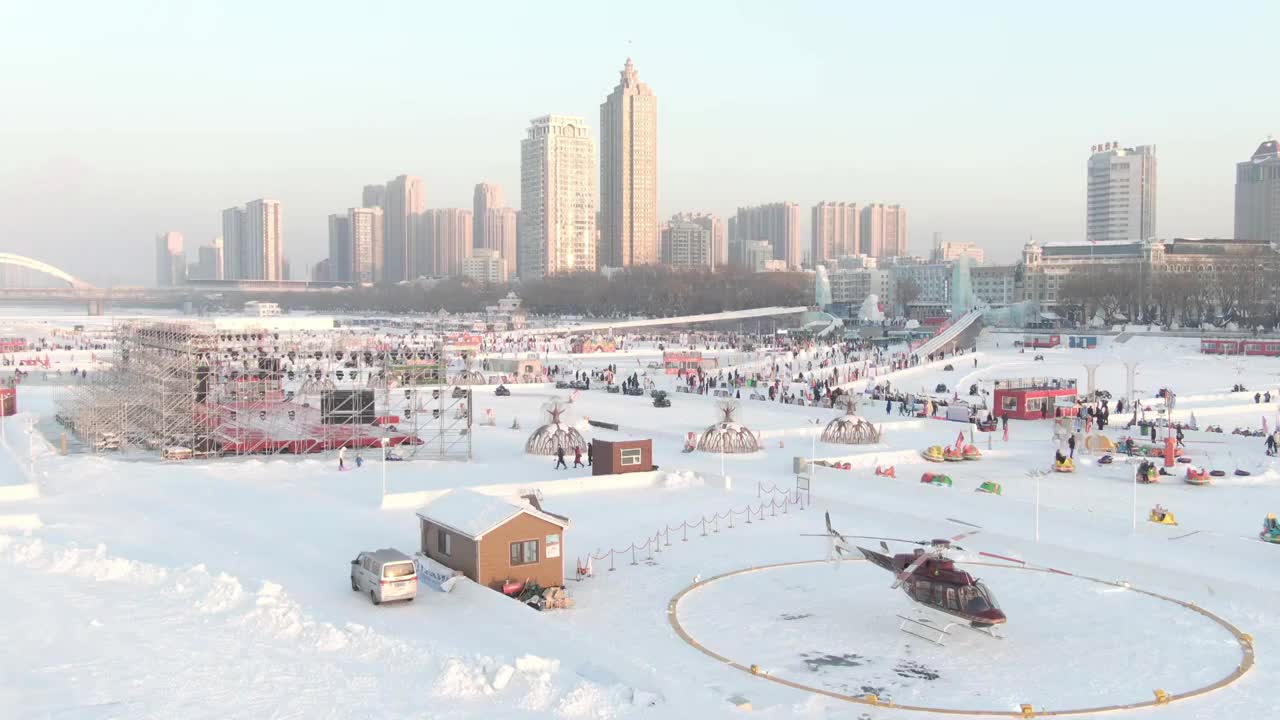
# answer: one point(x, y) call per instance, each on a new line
point(219, 588)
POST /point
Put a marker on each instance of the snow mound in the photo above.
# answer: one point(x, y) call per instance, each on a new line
point(682, 479)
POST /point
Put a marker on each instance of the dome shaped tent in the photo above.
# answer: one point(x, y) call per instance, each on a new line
point(728, 436)
point(849, 429)
point(555, 434)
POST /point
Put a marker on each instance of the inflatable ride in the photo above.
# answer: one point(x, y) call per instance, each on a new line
point(1099, 443)
point(1161, 516)
point(1066, 466)
point(1217, 473)
point(933, 453)
point(971, 452)
point(989, 487)
point(1106, 460)
point(1270, 530)
point(936, 479)
point(886, 472)
point(1149, 477)
point(951, 454)
point(1197, 476)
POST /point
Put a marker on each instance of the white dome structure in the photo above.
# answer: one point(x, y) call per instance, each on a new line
point(555, 434)
point(728, 436)
point(850, 429)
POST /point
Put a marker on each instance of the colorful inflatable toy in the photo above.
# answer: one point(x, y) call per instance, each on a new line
point(951, 454)
point(1161, 516)
point(933, 453)
point(990, 488)
point(1197, 476)
point(936, 479)
point(971, 452)
point(886, 472)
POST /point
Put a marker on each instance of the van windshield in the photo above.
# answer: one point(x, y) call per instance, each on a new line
point(398, 570)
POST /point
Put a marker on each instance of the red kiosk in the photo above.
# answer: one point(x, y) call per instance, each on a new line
point(1031, 398)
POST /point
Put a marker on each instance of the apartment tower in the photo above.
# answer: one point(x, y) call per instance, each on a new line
point(629, 173)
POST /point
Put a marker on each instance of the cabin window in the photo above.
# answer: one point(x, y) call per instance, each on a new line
point(952, 601)
point(524, 552)
point(444, 543)
point(629, 456)
point(1009, 402)
point(1034, 404)
point(922, 589)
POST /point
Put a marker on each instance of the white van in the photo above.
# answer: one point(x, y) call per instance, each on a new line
point(385, 574)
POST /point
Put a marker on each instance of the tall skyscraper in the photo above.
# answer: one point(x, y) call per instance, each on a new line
point(1258, 195)
point(209, 261)
point(500, 226)
point(884, 231)
point(629, 173)
point(776, 223)
point(232, 230)
point(557, 198)
point(374, 196)
point(340, 257)
point(405, 202)
point(171, 260)
point(366, 244)
point(487, 196)
point(714, 225)
point(448, 240)
point(1122, 193)
point(836, 231)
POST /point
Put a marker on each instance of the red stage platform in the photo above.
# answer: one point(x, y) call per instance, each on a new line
point(267, 427)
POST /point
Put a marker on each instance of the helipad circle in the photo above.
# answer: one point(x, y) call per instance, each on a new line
point(1233, 638)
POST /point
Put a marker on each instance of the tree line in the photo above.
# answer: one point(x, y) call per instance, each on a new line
point(653, 291)
point(1244, 294)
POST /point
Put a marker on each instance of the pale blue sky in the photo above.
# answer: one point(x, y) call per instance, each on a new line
point(124, 119)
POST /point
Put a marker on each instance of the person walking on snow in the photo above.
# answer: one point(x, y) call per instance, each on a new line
point(577, 457)
point(1179, 437)
point(1271, 445)
point(342, 458)
point(359, 460)
point(1071, 446)
point(591, 449)
point(560, 459)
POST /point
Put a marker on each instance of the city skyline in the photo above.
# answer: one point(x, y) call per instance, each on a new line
point(81, 139)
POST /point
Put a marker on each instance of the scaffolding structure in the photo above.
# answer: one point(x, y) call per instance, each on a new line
point(193, 389)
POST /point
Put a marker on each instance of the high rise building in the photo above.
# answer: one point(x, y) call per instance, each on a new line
point(1122, 193)
point(714, 225)
point(366, 228)
point(557, 198)
point(340, 256)
point(883, 231)
point(485, 266)
point(628, 173)
point(209, 261)
point(374, 196)
point(406, 200)
point(776, 223)
point(1258, 195)
point(171, 259)
point(232, 232)
point(500, 227)
point(687, 245)
point(254, 241)
point(487, 196)
point(447, 239)
point(836, 231)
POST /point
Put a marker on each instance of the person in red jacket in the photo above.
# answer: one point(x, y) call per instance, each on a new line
point(577, 457)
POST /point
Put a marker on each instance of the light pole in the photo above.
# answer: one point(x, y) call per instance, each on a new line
point(385, 442)
point(31, 450)
point(1037, 474)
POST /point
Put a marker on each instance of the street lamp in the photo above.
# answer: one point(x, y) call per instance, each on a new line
point(385, 443)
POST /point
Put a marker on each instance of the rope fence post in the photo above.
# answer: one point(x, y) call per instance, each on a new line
point(731, 513)
point(633, 554)
point(610, 559)
point(668, 536)
point(684, 527)
point(703, 523)
point(646, 542)
point(657, 540)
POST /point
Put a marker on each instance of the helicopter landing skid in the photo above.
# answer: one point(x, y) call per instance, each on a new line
point(928, 630)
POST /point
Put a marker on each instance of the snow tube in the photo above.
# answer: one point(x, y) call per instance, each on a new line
point(990, 488)
point(1183, 460)
point(1106, 460)
point(1197, 476)
point(936, 479)
point(933, 453)
point(846, 466)
point(1265, 536)
point(952, 455)
point(1242, 473)
point(971, 452)
point(1217, 473)
point(886, 472)
point(1064, 467)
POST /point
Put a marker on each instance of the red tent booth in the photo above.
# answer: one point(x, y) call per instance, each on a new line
point(1031, 398)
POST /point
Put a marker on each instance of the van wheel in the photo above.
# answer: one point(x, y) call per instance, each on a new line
point(374, 597)
point(354, 587)
point(408, 599)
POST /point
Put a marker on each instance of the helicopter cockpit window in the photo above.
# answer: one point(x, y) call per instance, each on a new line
point(985, 597)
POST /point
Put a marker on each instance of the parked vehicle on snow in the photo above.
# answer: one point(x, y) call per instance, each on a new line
point(385, 574)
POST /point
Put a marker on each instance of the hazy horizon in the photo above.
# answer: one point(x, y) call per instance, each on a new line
point(124, 120)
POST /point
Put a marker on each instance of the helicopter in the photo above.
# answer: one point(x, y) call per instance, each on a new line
point(929, 577)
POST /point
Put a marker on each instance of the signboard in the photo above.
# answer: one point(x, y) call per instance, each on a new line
point(553, 546)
